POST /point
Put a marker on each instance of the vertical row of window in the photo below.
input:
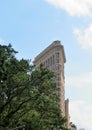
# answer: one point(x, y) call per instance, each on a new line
point(50, 61)
point(57, 57)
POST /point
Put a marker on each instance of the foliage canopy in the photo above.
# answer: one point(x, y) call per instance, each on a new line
point(27, 96)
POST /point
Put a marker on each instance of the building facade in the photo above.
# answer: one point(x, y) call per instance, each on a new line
point(53, 57)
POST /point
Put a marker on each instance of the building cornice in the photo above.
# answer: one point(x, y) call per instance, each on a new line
point(52, 46)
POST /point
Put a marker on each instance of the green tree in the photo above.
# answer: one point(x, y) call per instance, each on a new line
point(47, 114)
point(27, 96)
point(14, 87)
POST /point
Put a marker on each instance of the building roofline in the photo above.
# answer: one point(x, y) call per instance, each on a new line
point(54, 44)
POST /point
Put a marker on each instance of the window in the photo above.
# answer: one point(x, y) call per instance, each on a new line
point(53, 59)
point(57, 57)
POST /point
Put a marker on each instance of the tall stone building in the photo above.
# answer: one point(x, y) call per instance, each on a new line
point(53, 57)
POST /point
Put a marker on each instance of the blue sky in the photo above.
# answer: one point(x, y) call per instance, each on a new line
point(31, 25)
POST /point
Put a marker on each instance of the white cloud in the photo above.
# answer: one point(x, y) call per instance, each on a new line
point(74, 7)
point(84, 80)
point(81, 114)
point(84, 37)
